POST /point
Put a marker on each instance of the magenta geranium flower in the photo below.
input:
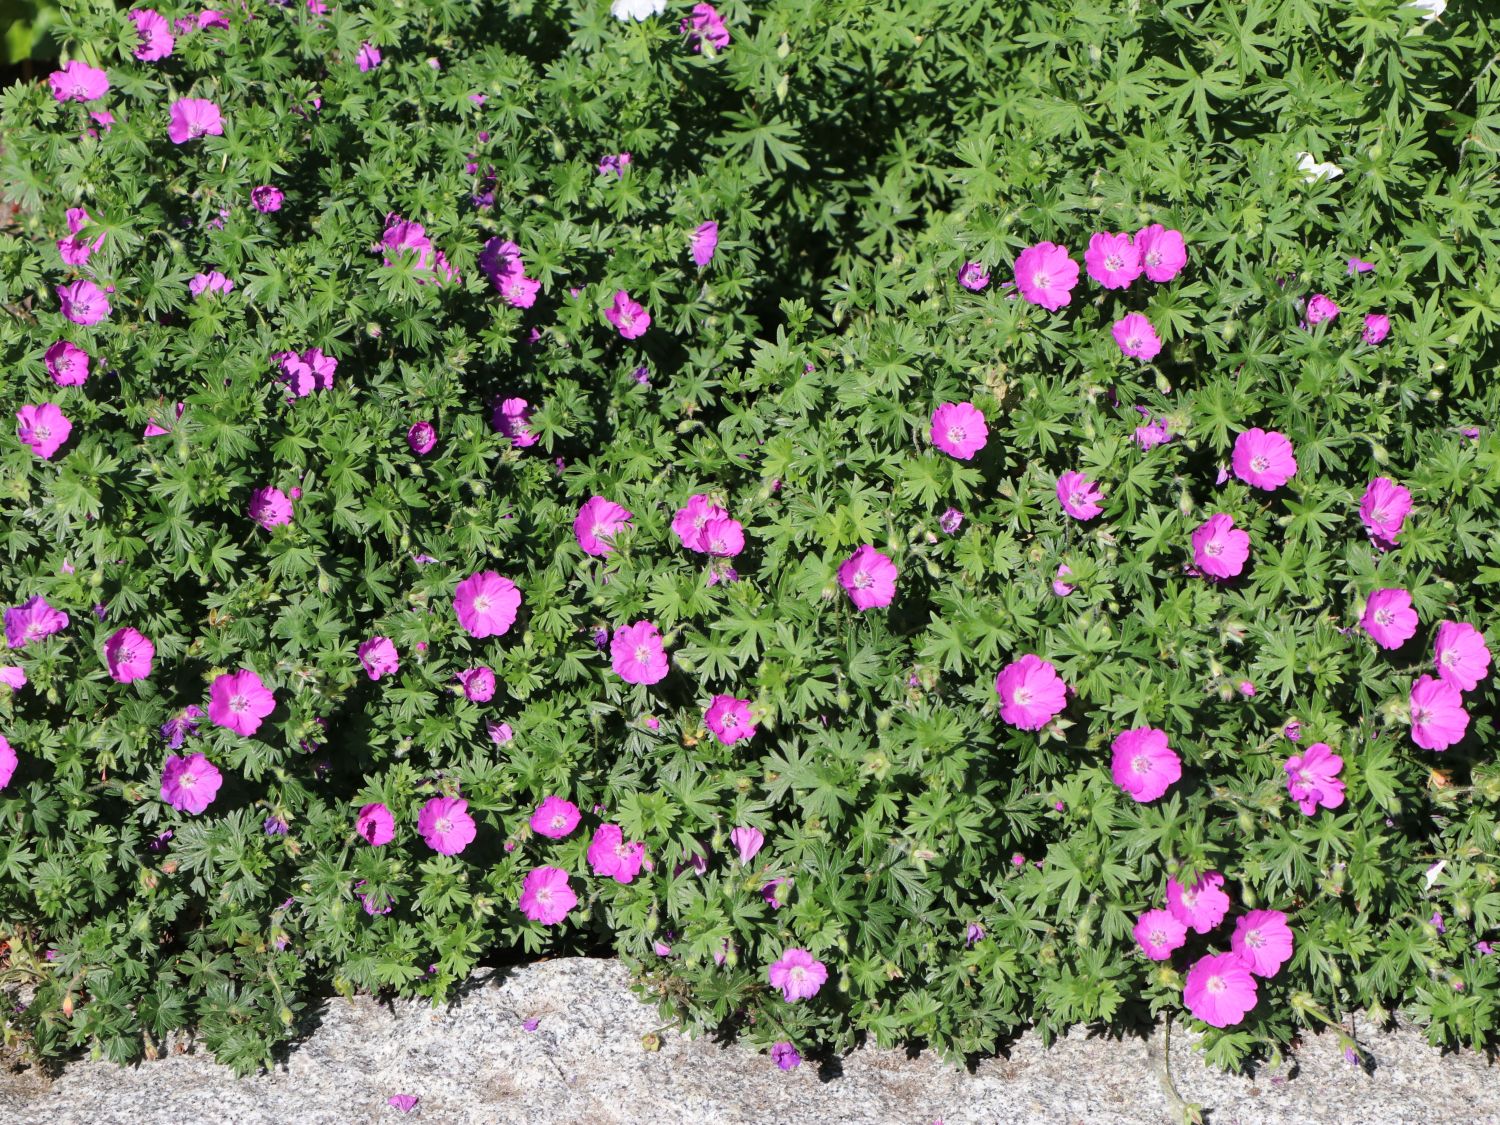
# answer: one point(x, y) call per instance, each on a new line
point(190, 784)
point(154, 35)
point(446, 825)
point(629, 317)
point(1162, 251)
point(1219, 548)
point(83, 302)
point(729, 719)
point(1384, 508)
point(1321, 308)
point(1312, 778)
point(597, 524)
point(12, 676)
point(1264, 459)
point(1143, 764)
point(193, 118)
point(637, 655)
point(1136, 337)
point(689, 522)
point(1031, 693)
point(1377, 328)
point(798, 974)
point(76, 250)
point(1079, 496)
point(32, 621)
point(747, 842)
point(422, 438)
point(267, 198)
point(45, 428)
point(612, 856)
point(486, 604)
point(958, 429)
point(1438, 718)
point(211, 283)
point(785, 1055)
point(78, 82)
point(67, 364)
point(8, 762)
point(723, 537)
point(869, 578)
point(379, 656)
point(704, 242)
point(375, 825)
point(1159, 934)
point(512, 417)
point(270, 507)
point(155, 429)
point(128, 655)
point(555, 818)
point(972, 275)
point(546, 896)
point(239, 701)
point(1220, 989)
point(1045, 275)
point(501, 262)
point(1461, 655)
point(1389, 618)
point(1202, 905)
point(307, 371)
point(1112, 260)
point(478, 684)
point(1263, 940)
point(705, 25)
point(368, 57)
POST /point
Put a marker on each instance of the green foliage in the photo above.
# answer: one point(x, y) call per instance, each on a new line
point(855, 157)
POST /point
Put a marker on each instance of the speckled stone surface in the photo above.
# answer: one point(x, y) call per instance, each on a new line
point(476, 1063)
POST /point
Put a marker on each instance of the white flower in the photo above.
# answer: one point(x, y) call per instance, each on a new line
point(1312, 171)
point(637, 9)
point(1433, 8)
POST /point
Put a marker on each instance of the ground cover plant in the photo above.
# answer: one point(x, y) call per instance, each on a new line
point(902, 522)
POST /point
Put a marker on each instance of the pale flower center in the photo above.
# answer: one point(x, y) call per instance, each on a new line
point(239, 704)
point(1140, 764)
point(1158, 937)
point(1255, 939)
point(862, 581)
point(558, 821)
point(482, 604)
point(1213, 548)
point(1133, 343)
point(1114, 262)
point(1190, 899)
point(796, 973)
point(1384, 617)
point(443, 826)
point(956, 435)
point(1449, 659)
point(42, 432)
point(1420, 715)
point(544, 896)
point(1216, 985)
point(642, 655)
point(1260, 463)
point(1153, 257)
point(1022, 695)
point(187, 781)
point(1041, 280)
point(622, 850)
point(1380, 515)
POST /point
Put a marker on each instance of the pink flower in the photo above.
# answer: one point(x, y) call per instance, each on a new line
point(1264, 459)
point(375, 825)
point(128, 655)
point(546, 896)
point(785, 1056)
point(270, 507)
point(972, 275)
point(500, 733)
point(12, 676)
point(747, 842)
point(44, 428)
point(597, 524)
point(211, 282)
point(1263, 940)
point(1247, 689)
point(729, 719)
point(705, 240)
point(76, 251)
point(1312, 778)
point(958, 429)
point(101, 117)
point(239, 701)
point(611, 856)
point(379, 656)
point(209, 18)
point(1438, 718)
point(1060, 588)
point(266, 198)
point(1136, 337)
point(1219, 548)
point(478, 684)
point(405, 1103)
point(32, 621)
point(555, 818)
point(306, 372)
point(1162, 251)
point(1031, 693)
point(486, 604)
point(78, 82)
point(616, 163)
point(629, 317)
point(1045, 275)
point(83, 302)
point(1143, 764)
point(190, 784)
point(1158, 933)
point(772, 889)
point(155, 429)
point(1155, 432)
point(689, 522)
point(636, 654)
point(501, 263)
point(1389, 618)
point(193, 118)
point(1321, 308)
point(1201, 906)
point(422, 438)
point(368, 57)
point(1384, 508)
point(951, 520)
point(723, 537)
point(154, 33)
point(512, 417)
point(8, 762)
point(1079, 496)
point(1461, 656)
point(705, 25)
point(67, 364)
point(1112, 260)
point(446, 825)
point(1219, 989)
point(1377, 328)
point(869, 578)
point(798, 974)
point(1356, 265)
